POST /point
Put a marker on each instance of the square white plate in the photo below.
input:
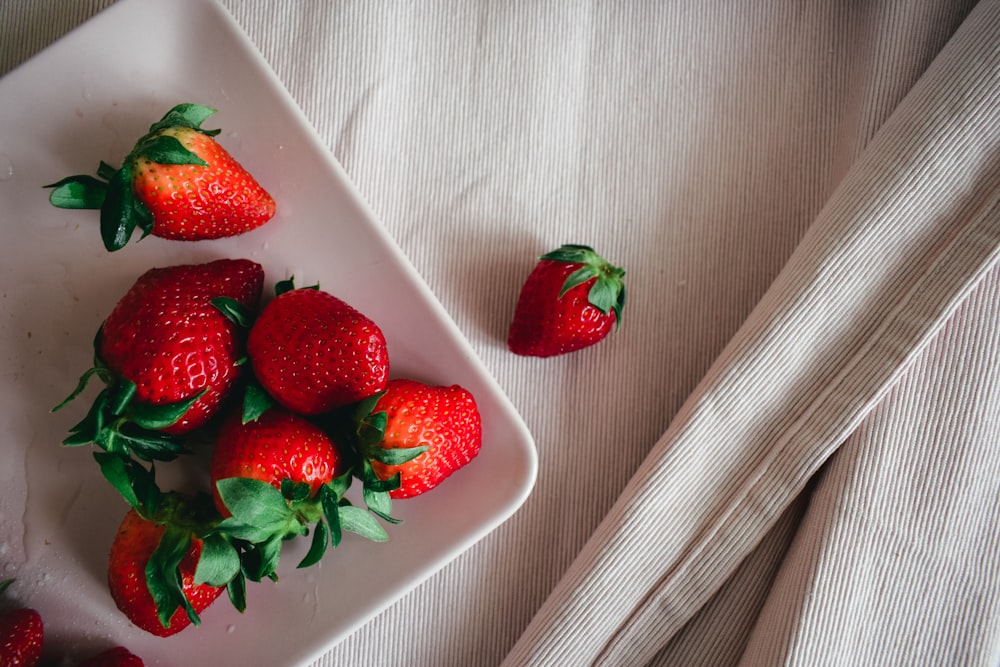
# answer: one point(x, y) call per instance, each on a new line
point(87, 98)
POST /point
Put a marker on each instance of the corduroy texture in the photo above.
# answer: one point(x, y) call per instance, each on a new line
point(792, 440)
point(914, 227)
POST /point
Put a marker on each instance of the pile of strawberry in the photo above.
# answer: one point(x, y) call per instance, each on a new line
point(291, 392)
point(294, 396)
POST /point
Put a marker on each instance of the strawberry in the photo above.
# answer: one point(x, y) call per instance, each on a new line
point(152, 566)
point(21, 635)
point(273, 477)
point(419, 434)
point(119, 656)
point(313, 352)
point(572, 299)
point(277, 446)
point(170, 352)
point(176, 183)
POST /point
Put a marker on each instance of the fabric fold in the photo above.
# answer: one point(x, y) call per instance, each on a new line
point(911, 231)
point(893, 562)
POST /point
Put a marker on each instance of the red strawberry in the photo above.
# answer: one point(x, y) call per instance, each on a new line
point(275, 476)
point(168, 337)
point(277, 446)
point(176, 183)
point(158, 557)
point(21, 635)
point(169, 353)
point(119, 656)
point(313, 352)
point(571, 300)
point(429, 432)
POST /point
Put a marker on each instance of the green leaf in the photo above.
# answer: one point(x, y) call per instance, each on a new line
point(82, 383)
point(120, 394)
point(359, 521)
point(163, 578)
point(184, 115)
point(237, 590)
point(257, 507)
point(118, 214)
point(161, 416)
point(146, 445)
point(295, 491)
point(364, 408)
point(143, 216)
point(375, 492)
point(115, 470)
point(330, 501)
point(608, 291)
point(283, 286)
point(320, 540)
point(379, 503)
point(105, 170)
point(166, 149)
point(573, 253)
point(219, 562)
point(262, 559)
point(88, 429)
point(619, 306)
point(239, 530)
point(394, 456)
point(234, 311)
point(136, 485)
point(372, 481)
point(78, 192)
point(5, 584)
point(578, 277)
point(603, 295)
point(256, 402)
point(370, 425)
point(338, 486)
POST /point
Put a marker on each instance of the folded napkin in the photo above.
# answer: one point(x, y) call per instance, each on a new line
point(875, 353)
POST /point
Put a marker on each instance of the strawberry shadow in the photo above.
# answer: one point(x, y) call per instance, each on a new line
point(481, 286)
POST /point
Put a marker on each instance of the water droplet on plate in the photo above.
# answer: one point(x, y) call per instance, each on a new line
point(6, 167)
point(230, 628)
point(234, 140)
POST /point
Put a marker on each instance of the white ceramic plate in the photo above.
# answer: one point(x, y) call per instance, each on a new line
point(84, 99)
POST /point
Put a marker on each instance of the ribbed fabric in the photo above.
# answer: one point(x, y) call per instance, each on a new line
point(913, 228)
point(911, 498)
point(804, 198)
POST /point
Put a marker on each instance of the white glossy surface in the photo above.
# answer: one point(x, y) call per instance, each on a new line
point(85, 99)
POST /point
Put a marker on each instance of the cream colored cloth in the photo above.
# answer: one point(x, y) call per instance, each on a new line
point(896, 559)
point(790, 453)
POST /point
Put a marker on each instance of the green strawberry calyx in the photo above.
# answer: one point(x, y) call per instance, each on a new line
point(607, 294)
point(369, 437)
point(183, 518)
point(264, 517)
point(111, 191)
point(245, 546)
point(121, 425)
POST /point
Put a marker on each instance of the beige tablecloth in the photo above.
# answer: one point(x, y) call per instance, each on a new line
point(790, 454)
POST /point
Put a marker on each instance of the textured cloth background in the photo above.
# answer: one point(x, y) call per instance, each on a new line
point(789, 454)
